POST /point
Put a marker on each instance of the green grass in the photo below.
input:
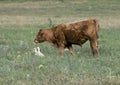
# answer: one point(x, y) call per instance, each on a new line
point(19, 23)
point(19, 65)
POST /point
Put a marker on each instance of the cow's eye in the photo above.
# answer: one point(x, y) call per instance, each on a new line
point(41, 34)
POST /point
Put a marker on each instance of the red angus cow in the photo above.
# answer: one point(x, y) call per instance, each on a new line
point(64, 35)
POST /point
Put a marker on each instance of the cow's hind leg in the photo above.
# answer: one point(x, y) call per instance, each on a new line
point(94, 47)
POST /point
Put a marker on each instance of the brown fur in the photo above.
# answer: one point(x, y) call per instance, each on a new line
point(64, 35)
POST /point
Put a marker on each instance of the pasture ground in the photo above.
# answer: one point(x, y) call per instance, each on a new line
point(19, 23)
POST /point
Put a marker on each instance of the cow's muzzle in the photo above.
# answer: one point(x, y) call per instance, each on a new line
point(36, 41)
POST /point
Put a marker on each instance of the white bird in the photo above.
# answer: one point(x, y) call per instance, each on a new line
point(37, 52)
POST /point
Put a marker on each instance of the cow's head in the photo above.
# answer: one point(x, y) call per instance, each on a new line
point(40, 37)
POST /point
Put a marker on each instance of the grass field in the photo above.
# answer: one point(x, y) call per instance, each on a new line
point(19, 23)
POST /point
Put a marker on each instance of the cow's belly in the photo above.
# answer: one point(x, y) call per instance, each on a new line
point(77, 39)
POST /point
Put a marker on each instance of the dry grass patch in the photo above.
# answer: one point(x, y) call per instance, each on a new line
point(105, 22)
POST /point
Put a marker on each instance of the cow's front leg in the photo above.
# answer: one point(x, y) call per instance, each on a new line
point(62, 48)
point(71, 49)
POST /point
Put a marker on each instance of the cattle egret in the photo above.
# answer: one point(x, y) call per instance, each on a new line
point(38, 52)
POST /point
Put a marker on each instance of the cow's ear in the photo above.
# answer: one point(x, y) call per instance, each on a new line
point(40, 30)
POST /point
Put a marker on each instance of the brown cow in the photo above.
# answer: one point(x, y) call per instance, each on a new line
point(64, 35)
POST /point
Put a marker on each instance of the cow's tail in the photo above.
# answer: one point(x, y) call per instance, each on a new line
point(97, 30)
